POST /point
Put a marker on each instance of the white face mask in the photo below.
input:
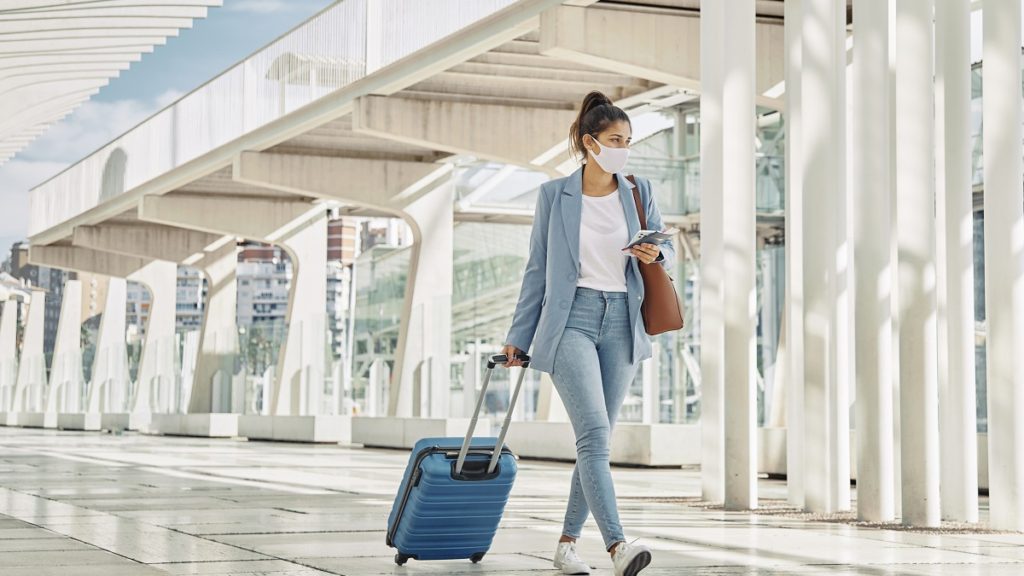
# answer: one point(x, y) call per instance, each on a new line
point(611, 160)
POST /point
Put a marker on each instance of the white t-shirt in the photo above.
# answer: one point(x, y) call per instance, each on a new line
point(603, 233)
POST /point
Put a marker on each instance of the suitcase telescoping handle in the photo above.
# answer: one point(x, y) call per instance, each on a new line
point(494, 361)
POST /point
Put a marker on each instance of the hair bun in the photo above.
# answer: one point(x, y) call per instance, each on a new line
point(596, 112)
point(595, 99)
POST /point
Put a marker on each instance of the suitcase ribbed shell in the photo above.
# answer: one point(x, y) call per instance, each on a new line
point(444, 518)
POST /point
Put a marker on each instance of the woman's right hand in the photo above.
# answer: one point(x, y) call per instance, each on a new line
point(511, 352)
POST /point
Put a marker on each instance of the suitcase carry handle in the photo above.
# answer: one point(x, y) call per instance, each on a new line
point(491, 364)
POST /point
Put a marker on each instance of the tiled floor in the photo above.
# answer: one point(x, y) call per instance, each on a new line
point(87, 504)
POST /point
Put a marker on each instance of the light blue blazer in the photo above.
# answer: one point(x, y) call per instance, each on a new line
point(549, 282)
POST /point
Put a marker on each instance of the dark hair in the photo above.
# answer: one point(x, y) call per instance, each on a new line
point(596, 113)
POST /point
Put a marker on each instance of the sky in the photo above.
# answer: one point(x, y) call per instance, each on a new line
point(226, 36)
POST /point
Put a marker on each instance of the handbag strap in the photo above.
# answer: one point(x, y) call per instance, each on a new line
point(639, 205)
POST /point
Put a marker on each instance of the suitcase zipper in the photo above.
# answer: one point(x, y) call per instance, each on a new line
point(415, 478)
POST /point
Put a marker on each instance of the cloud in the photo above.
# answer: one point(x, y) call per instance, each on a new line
point(258, 6)
point(91, 126)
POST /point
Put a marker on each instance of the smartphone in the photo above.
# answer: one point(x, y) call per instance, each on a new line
point(651, 237)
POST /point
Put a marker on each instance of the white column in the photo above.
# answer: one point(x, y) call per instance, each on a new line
point(300, 370)
point(739, 242)
point(915, 216)
point(826, 414)
point(156, 362)
point(894, 258)
point(712, 321)
point(218, 338)
point(109, 387)
point(32, 364)
point(955, 258)
point(426, 328)
point(794, 309)
point(66, 378)
point(8, 353)
point(1004, 274)
point(872, 165)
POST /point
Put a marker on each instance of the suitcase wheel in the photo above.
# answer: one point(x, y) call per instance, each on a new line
point(401, 559)
point(477, 557)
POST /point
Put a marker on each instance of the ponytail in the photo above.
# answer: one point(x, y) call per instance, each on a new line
point(596, 113)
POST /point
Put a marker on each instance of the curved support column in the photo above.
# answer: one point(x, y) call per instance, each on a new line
point(166, 245)
point(300, 370)
point(156, 363)
point(301, 229)
point(409, 190)
point(66, 377)
point(218, 337)
point(30, 389)
point(108, 391)
point(423, 355)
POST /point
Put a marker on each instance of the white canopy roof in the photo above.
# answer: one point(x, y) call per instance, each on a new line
point(55, 54)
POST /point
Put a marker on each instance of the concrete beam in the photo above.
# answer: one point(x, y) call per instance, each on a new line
point(85, 260)
point(378, 184)
point(643, 39)
point(488, 131)
point(144, 240)
point(263, 219)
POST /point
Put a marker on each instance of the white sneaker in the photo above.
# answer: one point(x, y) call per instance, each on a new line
point(630, 559)
point(568, 561)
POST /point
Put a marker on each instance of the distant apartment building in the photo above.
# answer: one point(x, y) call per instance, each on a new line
point(190, 296)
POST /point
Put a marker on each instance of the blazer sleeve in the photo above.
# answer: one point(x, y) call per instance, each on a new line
point(527, 314)
point(667, 258)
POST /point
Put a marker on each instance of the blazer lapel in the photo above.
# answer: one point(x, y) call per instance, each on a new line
point(571, 202)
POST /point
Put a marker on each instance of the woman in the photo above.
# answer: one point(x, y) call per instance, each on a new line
point(580, 310)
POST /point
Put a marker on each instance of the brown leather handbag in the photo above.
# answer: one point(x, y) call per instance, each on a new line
point(661, 309)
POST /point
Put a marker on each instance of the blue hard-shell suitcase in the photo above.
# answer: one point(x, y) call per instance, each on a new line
point(454, 491)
